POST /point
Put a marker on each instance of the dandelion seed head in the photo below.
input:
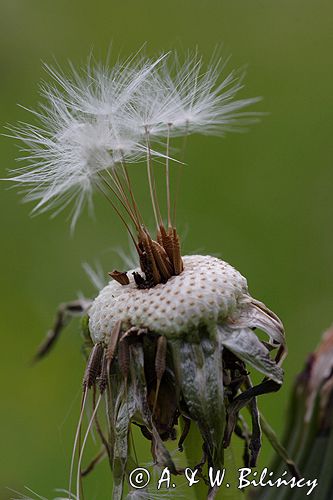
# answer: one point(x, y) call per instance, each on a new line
point(208, 294)
point(183, 303)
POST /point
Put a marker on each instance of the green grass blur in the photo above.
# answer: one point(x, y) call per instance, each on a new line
point(261, 200)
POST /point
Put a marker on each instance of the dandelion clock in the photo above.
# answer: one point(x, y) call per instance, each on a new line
point(173, 341)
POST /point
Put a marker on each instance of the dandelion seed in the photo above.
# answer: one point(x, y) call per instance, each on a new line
point(96, 275)
point(190, 98)
point(94, 124)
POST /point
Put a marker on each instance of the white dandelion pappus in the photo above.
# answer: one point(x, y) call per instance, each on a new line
point(94, 121)
point(209, 105)
point(95, 274)
point(65, 164)
point(99, 90)
point(188, 98)
point(81, 136)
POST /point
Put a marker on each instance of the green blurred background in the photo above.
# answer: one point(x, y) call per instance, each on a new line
point(262, 200)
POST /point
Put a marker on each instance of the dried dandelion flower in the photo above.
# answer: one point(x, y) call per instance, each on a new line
point(173, 339)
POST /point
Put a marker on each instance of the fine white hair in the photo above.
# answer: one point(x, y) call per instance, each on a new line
point(98, 119)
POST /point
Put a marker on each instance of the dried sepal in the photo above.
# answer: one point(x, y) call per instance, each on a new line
point(64, 314)
point(255, 314)
point(93, 463)
point(242, 400)
point(113, 342)
point(246, 345)
point(160, 359)
point(254, 443)
point(160, 365)
point(104, 375)
point(185, 431)
point(199, 373)
point(124, 357)
point(129, 403)
point(94, 366)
